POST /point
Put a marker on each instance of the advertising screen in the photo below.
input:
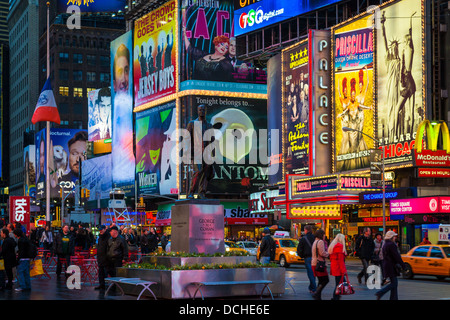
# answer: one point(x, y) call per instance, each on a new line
point(123, 162)
point(400, 81)
point(155, 61)
point(208, 45)
point(156, 169)
point(296, 109)
point(353, 94)
point(29, 166)
point(99, 114)
point(92, 5)
point(239, 150)
point(96, 177)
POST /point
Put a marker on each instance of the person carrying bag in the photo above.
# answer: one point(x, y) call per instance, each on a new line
point(319, 253)
point(338, 269)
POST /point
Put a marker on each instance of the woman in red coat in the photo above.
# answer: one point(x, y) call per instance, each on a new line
point(337, 253)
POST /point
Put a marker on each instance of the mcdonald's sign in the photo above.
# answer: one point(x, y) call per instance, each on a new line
point(431, 156)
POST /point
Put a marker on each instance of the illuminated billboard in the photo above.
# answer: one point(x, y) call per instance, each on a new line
point(96, 177)
point(353, 94)
point(400, 62)
point(99, 114)
point(92, 5)
point(155, 54)
point(29, 166)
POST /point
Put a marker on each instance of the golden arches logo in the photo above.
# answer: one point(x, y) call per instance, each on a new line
point(432, 130)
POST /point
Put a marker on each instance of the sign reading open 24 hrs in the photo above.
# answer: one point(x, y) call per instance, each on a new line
point(263, 13)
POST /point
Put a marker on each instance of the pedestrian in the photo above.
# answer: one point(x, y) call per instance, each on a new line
point(319, 253)
point(364, 250)
point(132, 243)
point(164, 241)
point(266, 248)
point(425, 241)
point(144, 243)
point(338, 269)
point(47, 238)
point(152, 240)
point(102, 258)
point(9, 256)
point(392, 263)
point(377, 258)
point(23, 261)
point(117, 251)
point(64, 247)
point(304, 251)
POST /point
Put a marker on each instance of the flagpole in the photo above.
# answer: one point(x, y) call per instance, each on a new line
point(47, 140)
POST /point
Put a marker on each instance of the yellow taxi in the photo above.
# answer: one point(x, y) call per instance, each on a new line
point(429, 259)
point(230, 246)
point(285, 252)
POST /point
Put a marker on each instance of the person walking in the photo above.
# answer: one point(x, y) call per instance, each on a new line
point(319, 253)
point(117, 251)
point(304, 251)
point(153, 240)
point(164, 241)
point(102, 258)
point(267, 247)
point(364, 250)
point(144, 243)
point(23, 261)
point(391, 261)
point(64, 247)
point(47, 238)
point(338, 269)
point(9, 256)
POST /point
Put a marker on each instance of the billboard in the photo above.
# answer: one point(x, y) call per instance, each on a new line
point(400, 60)
point(208, 46)
point(99, 114)
point(19, 211)
point(29, 166)
point(156, 170)
point(68, 147)
point(92, 5)
point(96, 177)
point(297, 122)
point(253, 15)
point(155, 59)
point(353, 94)
point(240, 148)
point(123, 162)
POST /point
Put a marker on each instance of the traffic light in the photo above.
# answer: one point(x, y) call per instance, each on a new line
point(61, 192)
point(141, 201)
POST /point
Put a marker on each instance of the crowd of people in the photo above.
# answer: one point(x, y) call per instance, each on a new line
point(114, 246)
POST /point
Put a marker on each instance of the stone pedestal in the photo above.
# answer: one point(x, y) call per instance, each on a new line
point(198, 227)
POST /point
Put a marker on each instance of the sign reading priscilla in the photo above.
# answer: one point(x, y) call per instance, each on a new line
point(264, 13)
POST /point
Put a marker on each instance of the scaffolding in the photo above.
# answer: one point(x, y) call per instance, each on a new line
point(118, 206)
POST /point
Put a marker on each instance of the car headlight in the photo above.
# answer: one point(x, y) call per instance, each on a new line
point(227, 249)
point(292, 253)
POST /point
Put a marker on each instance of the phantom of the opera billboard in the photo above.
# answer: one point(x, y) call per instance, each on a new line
point(236, 145)
point(353, 94)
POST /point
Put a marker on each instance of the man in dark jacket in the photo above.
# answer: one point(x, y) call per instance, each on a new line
point(23, 260)
point(64, 247)
point(364, 250)
point(153, 240)
point(266, 248)
point(304, 251)
point(117, 251)
point(102, 257)
point(9, 256)
point(391, 259)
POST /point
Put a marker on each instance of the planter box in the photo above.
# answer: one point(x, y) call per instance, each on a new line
point(181, 261)
point(176, 284)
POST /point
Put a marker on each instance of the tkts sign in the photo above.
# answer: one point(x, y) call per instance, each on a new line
point(19, 211)
point(430, 156)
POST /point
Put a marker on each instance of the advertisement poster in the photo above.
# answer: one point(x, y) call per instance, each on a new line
point(297, 109)
point(97, 177)
point(399, 63)
point(156, 170)
point(353, 94)
point(92, 5)
point(19, 211)
point(208, 45)
point(240, 142)
point(154, 65)
point(123, 162)
point(99, 114)
point(29, 166)
point(68, 148)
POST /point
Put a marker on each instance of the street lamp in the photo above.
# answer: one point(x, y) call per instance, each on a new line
point(345, 129)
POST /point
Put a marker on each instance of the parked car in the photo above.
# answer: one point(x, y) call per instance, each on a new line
point(430, 259)
point(250, 246)
point(285, 252)
point(233, 247)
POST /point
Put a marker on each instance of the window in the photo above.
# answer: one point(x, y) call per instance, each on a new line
point(63, 108)
point(77, 58)
point(104, 61)
point(78, 92)
point(90, 75)
point(78, 124)
point(436, 253)
point(91, 59)
point(90, 89)
point(104, 77)
point(78, 75)
point(63, 74)
point(64, 91)
point(421, 252)
point(63, 57)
